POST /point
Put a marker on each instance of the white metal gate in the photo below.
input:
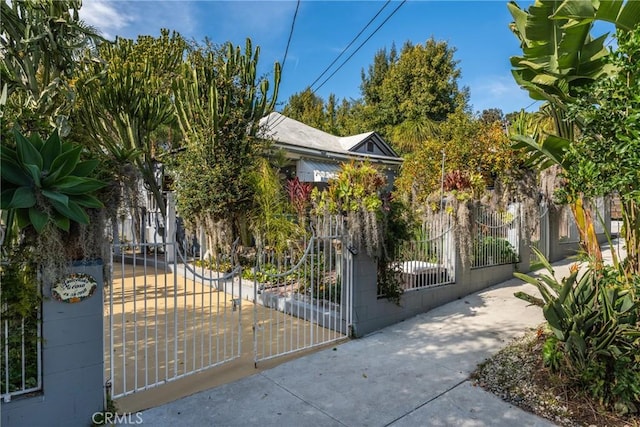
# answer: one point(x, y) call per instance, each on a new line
point(304, 300)
point(168, 316)
point(167, 319)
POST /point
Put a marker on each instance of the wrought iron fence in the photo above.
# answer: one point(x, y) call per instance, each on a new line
point(496, 237)
point(429, 259)
point(21, 370)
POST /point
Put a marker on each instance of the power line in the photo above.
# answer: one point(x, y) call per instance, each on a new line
point(349, 45)
point(286, 51)
point(530, 105)
point(358, 48)
point(293, 23)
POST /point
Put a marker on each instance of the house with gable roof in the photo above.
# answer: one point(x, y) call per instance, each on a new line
point(315, 156)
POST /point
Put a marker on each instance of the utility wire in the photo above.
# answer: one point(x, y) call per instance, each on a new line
point(293, 23)
point(349, 45)
point(286, 52)
point(274, 125)
point(530, 105)
point(358, 48)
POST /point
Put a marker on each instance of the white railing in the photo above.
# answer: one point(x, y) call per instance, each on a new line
point(165, 320)
point(302, 297)
point(428, 260)
point(21, 370)
point(496, 237)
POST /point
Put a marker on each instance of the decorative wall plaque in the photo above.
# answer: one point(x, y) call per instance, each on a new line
point(74, 288)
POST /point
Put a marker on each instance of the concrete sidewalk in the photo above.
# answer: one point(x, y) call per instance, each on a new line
point(414, 373)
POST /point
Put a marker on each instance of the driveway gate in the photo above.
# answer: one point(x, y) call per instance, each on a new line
point(168, 316)
point(165, 320)
point(309, 296)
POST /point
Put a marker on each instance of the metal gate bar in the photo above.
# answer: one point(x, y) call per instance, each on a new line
point(302, 299)
point(166, 320)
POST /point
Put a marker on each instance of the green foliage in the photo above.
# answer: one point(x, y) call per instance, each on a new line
point(594, 319)
point(126, 99)
point(396, 229)
point(20, 297)
point(46, 183)
point(419, 83)
point(270, 220)
point(552, 353)
point(20, 302)
point(308, 108)
point(378, 223)
point(480, 149)
point(499, 249)
point(40, 42)
point(560, 57)
point(606, 158)
point(356, 188)
point(220, 101)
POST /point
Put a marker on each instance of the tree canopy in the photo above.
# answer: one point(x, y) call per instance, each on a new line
point(40, 42)
point(126, 97)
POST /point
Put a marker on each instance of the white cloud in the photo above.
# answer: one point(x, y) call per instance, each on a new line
point(132, 18)
point(498, 91)
point(105, 16)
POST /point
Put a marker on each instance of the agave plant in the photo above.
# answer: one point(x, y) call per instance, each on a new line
point(45, 182)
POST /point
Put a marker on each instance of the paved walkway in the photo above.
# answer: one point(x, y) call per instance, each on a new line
point(415, 373)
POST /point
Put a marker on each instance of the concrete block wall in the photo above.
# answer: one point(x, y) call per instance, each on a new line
point(371, 313)
point(73, 362)
point(563, 249)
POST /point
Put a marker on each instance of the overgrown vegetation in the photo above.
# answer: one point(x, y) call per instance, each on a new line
point(519, 375)
point(220, 100)
point(589, 92)
point(377, 222)
point(595, 320)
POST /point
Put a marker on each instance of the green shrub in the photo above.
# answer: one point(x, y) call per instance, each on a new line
point(499, 249)
point(596, 335)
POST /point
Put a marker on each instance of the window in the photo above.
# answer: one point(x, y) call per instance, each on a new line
point(370, 146)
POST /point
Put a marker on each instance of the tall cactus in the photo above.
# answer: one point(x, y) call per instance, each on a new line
point(220, 83)
point(40, 41)
point(219, 103)
point(126, 98)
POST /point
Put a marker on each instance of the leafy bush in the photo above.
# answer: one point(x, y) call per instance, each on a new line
point(594, 318)
point(501, 250)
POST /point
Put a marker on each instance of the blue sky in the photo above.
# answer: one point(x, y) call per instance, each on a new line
point(477, 29)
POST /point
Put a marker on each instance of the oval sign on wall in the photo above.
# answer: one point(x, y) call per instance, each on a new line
point(74, 288)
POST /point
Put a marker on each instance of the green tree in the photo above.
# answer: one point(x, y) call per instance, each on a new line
point(220, 101)
point(420, 87)
point(40, 41)
point(605, 159)
point(372, 81)
point(126, 98)
point(482, 150)
point(491, 115)
point(559, 57)
point(308, 108)
point(271, 222)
